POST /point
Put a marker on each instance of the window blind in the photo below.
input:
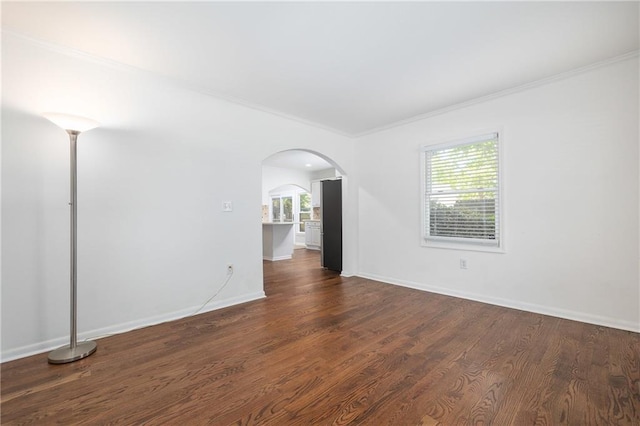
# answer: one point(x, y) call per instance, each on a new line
point(462, 191)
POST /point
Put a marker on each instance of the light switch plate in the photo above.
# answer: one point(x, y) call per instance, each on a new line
point(227, 206)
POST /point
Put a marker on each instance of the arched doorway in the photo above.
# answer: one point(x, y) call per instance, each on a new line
point(310, 170)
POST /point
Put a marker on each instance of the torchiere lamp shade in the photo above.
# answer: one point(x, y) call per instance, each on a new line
point(71, 122)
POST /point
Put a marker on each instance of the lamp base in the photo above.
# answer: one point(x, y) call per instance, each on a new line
point(67, 354)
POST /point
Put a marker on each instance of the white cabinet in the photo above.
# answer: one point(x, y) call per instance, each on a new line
point(315, 194)
point(312, 234)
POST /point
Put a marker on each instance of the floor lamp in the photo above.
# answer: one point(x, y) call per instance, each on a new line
point(73, 125)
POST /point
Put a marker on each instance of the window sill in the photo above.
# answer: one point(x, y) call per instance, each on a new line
point(449, 245)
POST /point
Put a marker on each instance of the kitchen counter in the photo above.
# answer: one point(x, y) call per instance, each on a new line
point(277, 240)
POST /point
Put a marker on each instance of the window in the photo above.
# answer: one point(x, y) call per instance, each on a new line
point(304, 204)
point(282, 209)
point(276, 212)
point(287, 209)
point(462, 207)
point(291, 206)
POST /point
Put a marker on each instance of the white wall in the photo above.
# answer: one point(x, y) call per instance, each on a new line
point(571, 201)
point(153, 241)
point(274, 177)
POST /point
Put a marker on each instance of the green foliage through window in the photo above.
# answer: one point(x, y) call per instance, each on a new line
point(305, 201)
point(305, 209)
point(287, 209)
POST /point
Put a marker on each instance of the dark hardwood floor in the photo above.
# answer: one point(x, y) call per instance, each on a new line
point(322, 349)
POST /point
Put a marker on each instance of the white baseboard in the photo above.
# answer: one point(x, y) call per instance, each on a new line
point(513, 304)
point(48, 345)
point(276, 258)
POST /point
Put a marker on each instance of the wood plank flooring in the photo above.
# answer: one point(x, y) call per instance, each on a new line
point(327, 350)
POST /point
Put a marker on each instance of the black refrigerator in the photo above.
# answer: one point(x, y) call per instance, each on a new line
point(332, 224)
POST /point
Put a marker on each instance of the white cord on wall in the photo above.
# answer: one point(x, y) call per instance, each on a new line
point(214, 295)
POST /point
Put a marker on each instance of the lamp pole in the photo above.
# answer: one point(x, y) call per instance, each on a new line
point(75, 350)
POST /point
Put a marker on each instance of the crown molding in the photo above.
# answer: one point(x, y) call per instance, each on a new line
point(505, 92)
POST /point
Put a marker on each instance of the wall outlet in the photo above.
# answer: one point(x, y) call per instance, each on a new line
point(463, 263)
point(229, 268)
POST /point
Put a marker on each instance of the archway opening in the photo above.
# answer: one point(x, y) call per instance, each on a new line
point(292, 183)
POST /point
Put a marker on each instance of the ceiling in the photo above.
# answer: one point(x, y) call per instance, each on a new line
point(351, 67)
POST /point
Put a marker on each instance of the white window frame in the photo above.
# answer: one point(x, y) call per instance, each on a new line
point(297, 210)
point(295, 195)
point(497, 245)
point(280, 196)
